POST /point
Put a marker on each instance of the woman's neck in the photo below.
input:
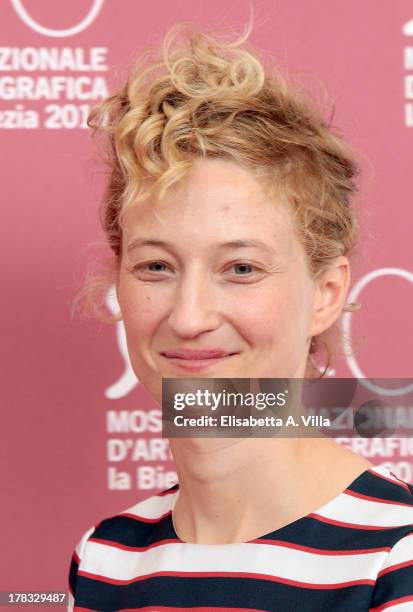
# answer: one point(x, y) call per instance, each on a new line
point(233, 490)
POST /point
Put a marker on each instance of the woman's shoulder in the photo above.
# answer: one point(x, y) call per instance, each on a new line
point(376, 501)
point(133, 524)
point(379, 483)
point(391, 510)
point(132, 528)
point(382, 490)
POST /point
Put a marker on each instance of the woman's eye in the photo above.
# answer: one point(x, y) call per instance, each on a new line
point(150, 267)
point(243, 268)
point(245, 271)
point(156, 266)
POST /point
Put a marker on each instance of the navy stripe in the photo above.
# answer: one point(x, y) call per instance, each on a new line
point(306, 531)
point(73, 574)
point(382, 488)
point(220, 592)
point(131, 532)
point(395, 584)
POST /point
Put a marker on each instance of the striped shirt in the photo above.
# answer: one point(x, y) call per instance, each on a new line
point(353, 554)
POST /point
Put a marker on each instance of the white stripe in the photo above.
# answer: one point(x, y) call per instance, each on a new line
point(153, 507)
point(83, 541)
point(401, 552)
point(349, 509)
point(270, 560)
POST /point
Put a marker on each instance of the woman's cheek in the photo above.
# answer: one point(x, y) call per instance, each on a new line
point(139, 303)
point(260, 309)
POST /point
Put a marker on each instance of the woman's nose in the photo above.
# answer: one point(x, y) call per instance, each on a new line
point(195, 307)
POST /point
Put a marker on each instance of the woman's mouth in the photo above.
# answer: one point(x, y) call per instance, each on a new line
point(191, 361)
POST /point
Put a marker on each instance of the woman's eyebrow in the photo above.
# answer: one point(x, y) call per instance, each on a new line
point(138, 242)
point(229, 244)
point(242, 244)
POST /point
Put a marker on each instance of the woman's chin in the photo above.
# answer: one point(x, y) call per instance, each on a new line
point(205, 445)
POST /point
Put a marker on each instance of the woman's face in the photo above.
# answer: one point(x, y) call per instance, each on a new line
point(216, 267)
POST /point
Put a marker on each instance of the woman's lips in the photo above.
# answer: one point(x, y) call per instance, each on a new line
point(194, 365)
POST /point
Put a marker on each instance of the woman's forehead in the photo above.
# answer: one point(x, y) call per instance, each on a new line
point(214, 192)
point(195, 232)
point(212, 223)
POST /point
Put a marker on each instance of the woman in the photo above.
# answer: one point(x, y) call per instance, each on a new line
point(228, 211)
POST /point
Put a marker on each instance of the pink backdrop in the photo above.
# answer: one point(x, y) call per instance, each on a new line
point(65, 380)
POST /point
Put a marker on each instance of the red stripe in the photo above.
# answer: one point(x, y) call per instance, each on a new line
point(395, 567)
point(350, 525)
point(376, 499)
point(322, 551)
point(161, 494)
point(197, 609)
point(76, 557)
point(135, 548)
point(255, 576)
point(398, 482)
point(144, 519)
point(393, 602)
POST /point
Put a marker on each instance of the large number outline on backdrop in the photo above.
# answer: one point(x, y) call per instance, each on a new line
point(124, 385)
point(37, 27)
point(351, 361)
point(408, 28)
point(128, 379)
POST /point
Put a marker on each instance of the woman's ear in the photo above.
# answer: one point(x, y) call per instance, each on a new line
point(330, 295)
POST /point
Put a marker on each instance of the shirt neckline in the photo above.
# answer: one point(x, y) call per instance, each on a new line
point(375, 470)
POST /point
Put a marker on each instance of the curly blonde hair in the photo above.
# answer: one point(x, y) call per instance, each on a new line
point(207, 98)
